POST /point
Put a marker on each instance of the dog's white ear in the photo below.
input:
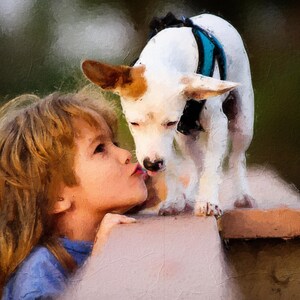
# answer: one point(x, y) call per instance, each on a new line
point(201, 87)
point(126, 81)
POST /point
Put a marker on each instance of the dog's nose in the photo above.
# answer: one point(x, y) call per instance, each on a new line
point(155, 166)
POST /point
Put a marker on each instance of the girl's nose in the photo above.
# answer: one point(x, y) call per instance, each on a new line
point(124, 156)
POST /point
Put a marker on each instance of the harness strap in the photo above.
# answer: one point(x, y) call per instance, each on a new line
point(209, 49)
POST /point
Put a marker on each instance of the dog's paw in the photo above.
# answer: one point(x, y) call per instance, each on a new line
point(188, 207)
point(207, 209)
point(245, 202)
point(170, 209)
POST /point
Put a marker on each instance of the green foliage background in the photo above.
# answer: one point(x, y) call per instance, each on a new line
point(270, 30)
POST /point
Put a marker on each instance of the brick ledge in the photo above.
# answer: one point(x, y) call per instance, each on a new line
point(257, 223)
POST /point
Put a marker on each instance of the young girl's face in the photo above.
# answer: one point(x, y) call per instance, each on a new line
point(107, 180)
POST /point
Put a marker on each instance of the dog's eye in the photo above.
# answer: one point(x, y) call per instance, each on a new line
point(134, 124)
point(170, 124)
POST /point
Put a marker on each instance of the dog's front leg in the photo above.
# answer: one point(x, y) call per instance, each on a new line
point(215, 125)
point(175, 201)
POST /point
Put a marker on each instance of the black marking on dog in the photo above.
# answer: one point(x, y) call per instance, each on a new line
point(190, 117)
point(158, 24)
point(230, 108)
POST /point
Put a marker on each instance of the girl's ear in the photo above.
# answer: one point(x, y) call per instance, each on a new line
point(61, 205)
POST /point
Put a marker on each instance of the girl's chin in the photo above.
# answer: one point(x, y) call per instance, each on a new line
point(134, 202)
point(143, 196)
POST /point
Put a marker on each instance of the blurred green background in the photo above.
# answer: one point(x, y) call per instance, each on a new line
point(43, 42)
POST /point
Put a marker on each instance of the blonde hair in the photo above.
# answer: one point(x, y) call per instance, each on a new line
point(37, 153)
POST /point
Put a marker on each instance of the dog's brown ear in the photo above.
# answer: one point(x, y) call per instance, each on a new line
point(201, 87)
point(126, 81)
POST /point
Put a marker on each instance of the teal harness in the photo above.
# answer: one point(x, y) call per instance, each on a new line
point(210, 50)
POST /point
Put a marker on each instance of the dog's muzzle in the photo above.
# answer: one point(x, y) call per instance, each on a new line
point(155, 166)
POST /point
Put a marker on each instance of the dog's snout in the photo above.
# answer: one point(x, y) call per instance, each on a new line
point(155, 166)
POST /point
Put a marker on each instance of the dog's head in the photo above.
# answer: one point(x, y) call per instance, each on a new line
point(153, 102)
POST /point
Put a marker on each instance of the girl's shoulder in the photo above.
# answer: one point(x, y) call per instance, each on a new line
point(39, 275)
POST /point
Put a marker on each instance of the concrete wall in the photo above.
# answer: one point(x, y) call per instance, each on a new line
point(184, 258)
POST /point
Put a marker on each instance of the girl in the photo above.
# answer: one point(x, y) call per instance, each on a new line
point(61, 176)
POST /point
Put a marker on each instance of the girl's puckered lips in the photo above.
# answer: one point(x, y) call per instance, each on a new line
point(138, 170)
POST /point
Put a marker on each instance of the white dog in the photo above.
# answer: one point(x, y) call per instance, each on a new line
point(154, 93)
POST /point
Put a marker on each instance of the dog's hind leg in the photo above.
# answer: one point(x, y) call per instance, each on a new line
point(240, 112)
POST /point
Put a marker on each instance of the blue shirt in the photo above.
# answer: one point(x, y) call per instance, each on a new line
point(41, 275)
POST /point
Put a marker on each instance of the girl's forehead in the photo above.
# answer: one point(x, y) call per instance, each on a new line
point(85, 129)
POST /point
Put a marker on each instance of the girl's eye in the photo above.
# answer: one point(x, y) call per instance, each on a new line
point(99, 148)
point(134, 124)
